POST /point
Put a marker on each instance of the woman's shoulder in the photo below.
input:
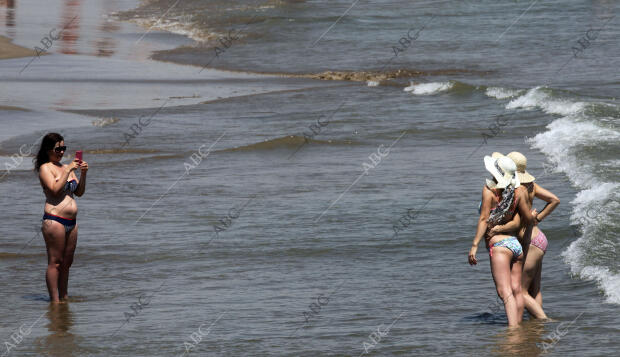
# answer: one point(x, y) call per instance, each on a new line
point(521, 191)
point(51, 167)
point(45, 166)
point(488, 193)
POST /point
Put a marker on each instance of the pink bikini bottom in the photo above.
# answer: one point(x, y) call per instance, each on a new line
point(540, 241)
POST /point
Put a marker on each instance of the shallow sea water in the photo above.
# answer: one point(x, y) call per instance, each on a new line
point(270, 245)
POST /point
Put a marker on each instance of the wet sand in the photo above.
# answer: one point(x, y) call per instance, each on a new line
point(10, 50)
point(8, 107)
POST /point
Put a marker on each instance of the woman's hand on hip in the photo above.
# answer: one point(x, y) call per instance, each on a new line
point(535, 214)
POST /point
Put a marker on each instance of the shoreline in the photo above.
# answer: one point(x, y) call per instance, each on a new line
point(88, 78)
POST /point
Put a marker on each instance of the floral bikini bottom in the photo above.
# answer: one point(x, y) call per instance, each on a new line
point(511, 243)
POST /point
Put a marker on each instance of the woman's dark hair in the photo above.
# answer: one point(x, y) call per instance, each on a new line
point(48, 143)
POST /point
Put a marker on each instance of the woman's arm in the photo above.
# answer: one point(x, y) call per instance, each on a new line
point(510, 227)
point(485, 210)
point(526, 215)
point(53, 184)
point(82, 182)
point(552, 201)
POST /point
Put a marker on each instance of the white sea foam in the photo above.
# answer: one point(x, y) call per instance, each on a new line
point(503, 93)
point(539, 98)
point(594, 209)
point(372, 83)
point(180, 26)
point(561, 139)
point(429, 88)
point(606, 279)
point(596, 206)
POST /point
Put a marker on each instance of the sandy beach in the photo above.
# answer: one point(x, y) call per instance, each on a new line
point(10, 50)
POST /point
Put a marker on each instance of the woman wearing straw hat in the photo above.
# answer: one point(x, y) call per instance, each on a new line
point(532, 268)
point(502, 199)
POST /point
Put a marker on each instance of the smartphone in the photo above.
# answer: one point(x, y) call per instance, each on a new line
point(78, 155)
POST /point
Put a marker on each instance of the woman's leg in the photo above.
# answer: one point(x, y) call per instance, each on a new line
point(516, 271)
point(530, 272)
point(54, 235)
point(534, 290)
point(500, 268)
point(67, 260)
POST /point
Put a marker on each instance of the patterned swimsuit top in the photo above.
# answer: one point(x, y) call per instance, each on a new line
point(505, 210)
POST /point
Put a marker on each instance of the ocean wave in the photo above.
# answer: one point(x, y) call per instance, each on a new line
point(541, 97)
point(286, 142)
point(179, 25)
point(121, 151)
point(568, 144)
point(583, 264)
point(503, 93)
point(429, 88)
point(201, 22)
point(562, 140)
point(609, 282)
point(595, 204)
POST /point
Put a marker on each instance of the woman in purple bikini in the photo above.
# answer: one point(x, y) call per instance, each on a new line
point(532, 268)
point(59, 227)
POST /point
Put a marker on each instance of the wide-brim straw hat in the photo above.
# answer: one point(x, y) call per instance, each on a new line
point(521, 162)
point(503, 169)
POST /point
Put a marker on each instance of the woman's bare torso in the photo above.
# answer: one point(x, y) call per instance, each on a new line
point(63, 204)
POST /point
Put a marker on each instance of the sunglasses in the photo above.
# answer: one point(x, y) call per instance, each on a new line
point(60, 148)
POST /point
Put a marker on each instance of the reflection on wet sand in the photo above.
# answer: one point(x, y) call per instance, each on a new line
point(524, 340)
point(70, 22)
point(105, 45)
point(9, 17)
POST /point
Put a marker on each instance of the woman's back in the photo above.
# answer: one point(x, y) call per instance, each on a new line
point(504, 209)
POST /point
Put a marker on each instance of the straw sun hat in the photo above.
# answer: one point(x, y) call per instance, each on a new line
point(503, 169)
point(521, 162)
